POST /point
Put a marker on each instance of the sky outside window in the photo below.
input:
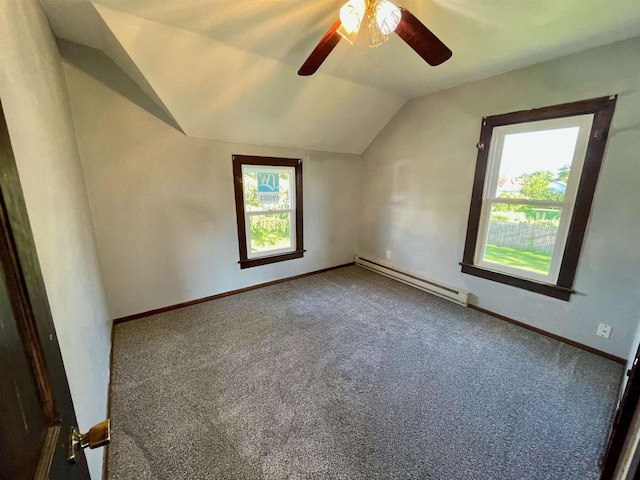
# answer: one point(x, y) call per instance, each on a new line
point(531, 152)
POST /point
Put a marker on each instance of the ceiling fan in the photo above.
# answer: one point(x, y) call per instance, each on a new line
point(383, 18)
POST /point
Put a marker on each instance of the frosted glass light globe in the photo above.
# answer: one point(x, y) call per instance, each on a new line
point(387, 16)
point(351, 15)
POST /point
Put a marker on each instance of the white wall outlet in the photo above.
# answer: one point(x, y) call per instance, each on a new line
point(388, 254)
point(604, 331)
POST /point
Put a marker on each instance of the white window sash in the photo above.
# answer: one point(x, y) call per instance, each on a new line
point(584, 122)
point(292, 213)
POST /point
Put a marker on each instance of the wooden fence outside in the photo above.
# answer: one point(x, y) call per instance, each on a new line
point(523, 236)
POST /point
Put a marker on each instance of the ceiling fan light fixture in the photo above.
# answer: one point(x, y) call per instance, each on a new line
point(376, 35)
point(388, 16)
point(383, 18)
point(351, 15)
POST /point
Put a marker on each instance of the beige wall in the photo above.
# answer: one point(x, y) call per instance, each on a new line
point(163, 203)
point(36, 105)
point(418, 174)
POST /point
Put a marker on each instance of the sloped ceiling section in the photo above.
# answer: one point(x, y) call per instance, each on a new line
point(114, 49)
point(217, 91)
point(227, 69)
point(84, 25)
point(488, 37)
point(220, 92)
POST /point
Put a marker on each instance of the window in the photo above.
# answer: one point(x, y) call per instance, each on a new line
point(269, 209)
point(536, 174)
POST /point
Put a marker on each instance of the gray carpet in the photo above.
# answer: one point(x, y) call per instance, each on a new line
point(351, 375)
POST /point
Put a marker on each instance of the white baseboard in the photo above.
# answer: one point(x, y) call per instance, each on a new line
point(454, 294)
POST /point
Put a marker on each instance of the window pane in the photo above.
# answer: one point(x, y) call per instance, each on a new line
point(270, 232)
point(267, 188)
point(536, 165)
point(522, 236)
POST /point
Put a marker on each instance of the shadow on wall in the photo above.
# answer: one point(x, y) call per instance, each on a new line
point(151, 189)
point(103, 69)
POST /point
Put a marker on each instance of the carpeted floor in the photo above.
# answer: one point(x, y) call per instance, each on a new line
point(351, 375)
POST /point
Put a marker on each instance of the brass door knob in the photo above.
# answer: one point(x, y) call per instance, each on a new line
point(98, 436)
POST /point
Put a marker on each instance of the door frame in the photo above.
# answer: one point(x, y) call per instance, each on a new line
point(618, 447)
point(33, 316)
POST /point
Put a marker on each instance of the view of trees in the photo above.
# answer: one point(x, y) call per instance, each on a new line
point(536, 186)
point(563, 173)
point(270, 231)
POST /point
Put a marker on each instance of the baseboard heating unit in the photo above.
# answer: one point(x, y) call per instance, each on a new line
point(454, 294)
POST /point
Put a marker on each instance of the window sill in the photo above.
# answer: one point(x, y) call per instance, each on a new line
point(555, 291)
point(281, 257)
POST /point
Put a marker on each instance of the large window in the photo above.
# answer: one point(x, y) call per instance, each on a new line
point(269, 209)
point(535, 178)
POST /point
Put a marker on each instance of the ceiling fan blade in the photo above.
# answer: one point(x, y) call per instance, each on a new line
point(421, 39)
point(322, 51)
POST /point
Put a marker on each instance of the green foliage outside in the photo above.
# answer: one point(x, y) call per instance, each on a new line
point(535, 186)
point(563, 173)
point(531, 260)
point(270, 231)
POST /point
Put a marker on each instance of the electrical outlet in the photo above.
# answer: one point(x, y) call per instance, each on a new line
point(604, 331)
point(388, 254)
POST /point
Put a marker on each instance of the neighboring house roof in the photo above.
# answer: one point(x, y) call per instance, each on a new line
point(558, 186)
point(510, 186)
point(514, 186)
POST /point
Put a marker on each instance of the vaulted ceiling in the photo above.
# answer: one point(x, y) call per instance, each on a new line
point(226, 70)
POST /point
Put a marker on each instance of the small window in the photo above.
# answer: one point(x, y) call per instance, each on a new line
point(269, 209)
point(535, 177)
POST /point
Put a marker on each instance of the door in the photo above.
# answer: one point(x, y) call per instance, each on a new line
point(615, 456)
point(36, 412)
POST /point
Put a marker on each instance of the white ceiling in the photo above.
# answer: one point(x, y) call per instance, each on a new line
point(193, 54)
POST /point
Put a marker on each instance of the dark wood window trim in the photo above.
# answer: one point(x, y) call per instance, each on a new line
point(602, 108)
point(238, 161)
